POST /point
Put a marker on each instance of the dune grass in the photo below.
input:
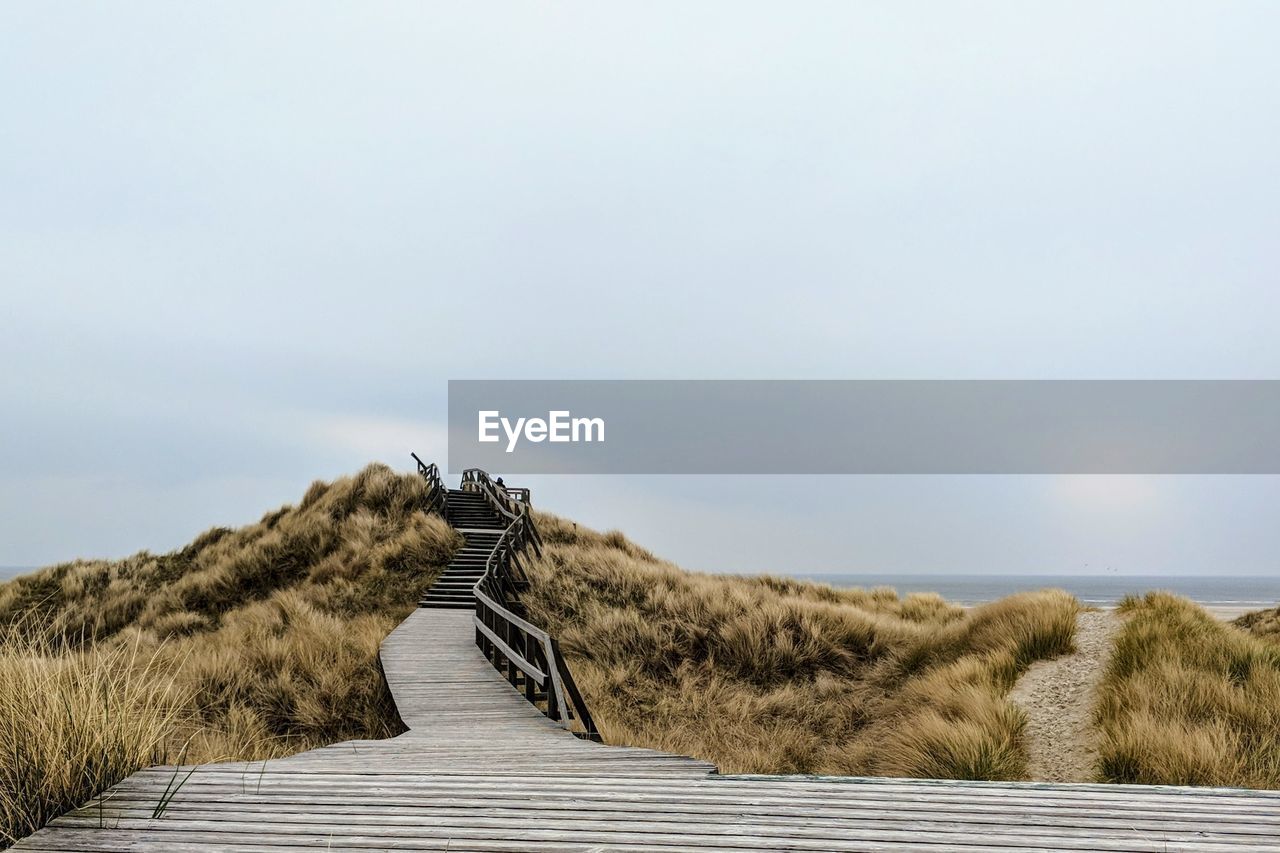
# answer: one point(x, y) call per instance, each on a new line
point(769, 675)
point(249, 643)
point(1189, 700)
point(1262, 623)
point(74, 724)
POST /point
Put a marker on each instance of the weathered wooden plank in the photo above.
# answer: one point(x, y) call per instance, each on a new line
point(611, 787)
point(126, 842)
point(253, 800)
point(798, 837)
point(1025, 827)
point(468, 776)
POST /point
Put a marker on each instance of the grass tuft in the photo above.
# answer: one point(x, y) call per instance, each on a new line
point(1188, 700)
point(773, 675)
point(1262, 623)
point(248, 644)
point(72, 724)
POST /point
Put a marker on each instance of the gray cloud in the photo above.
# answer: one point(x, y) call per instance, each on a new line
point(243, 246)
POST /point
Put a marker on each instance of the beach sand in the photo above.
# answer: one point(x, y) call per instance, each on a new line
point(1226, 614)
point(1058, 697)
point(1223, 613)
point(1220, 612)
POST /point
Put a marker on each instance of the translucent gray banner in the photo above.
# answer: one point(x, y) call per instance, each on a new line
point(864, 427)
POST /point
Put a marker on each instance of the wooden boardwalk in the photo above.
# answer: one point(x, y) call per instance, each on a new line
point(480, 769)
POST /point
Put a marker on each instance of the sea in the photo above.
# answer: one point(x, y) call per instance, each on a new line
point(1097, 590)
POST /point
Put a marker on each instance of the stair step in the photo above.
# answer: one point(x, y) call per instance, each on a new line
point(482, 527)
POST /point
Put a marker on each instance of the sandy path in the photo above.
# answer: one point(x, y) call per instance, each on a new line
point(1057, 696)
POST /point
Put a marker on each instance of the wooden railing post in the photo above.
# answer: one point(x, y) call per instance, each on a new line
point(553, 706)
point(530, 688)
point(511, 667)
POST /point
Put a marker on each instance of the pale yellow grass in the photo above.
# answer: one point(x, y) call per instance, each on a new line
point(72, 724)
point(1261, 623)
point(247, 644)
point(1189, 700)
point(779, 676)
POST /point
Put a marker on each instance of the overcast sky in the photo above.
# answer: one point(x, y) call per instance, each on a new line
point(244, 245)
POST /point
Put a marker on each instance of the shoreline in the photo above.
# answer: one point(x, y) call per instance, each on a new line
point(1221, 612)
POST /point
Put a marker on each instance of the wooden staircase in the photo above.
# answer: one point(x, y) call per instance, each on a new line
point(486, 578)
point(481, 527)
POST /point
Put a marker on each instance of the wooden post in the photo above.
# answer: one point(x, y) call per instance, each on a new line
point(512, 671)
point(530, 687)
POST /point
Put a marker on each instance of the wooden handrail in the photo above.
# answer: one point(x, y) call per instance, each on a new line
point(437, 494)
point(509, 502)
point(528, 656)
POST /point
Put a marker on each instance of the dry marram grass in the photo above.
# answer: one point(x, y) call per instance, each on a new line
point(1189, 700)
point(1262, 623)
point(247, 644)
point(73, 723)
point(780, 676)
